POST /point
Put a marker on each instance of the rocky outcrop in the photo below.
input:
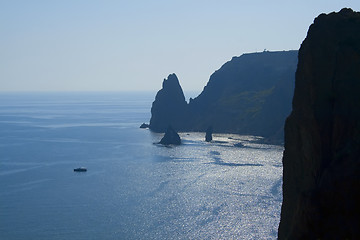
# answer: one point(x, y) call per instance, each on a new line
point(250, 94)
point(171, 137)
point(169, 107)
point(144, 125)
point(321, 187)
point(208, 135)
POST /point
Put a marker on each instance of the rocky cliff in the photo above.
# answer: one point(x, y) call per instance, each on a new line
point(321, 187)
point(250, 94)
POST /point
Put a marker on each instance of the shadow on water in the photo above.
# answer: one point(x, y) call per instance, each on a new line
point(241, 145)
point(160, 158)
point(215, 153)
point(160, 188)
point(207, 214)
point(219, 161)
point(236, 164)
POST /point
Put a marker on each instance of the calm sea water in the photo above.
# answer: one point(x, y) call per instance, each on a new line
point(133, 189)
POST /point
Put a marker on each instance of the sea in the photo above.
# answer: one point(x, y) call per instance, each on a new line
point(134, 188)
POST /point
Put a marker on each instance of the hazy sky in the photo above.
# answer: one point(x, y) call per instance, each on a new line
point(133, 45)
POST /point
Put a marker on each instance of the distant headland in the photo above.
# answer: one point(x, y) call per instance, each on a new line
point(250, 94)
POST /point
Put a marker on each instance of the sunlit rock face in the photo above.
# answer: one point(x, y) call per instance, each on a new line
point(169, 107)
point(321, 181)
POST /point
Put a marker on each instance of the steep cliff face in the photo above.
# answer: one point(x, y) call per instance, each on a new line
point(169, 107)
point(250, 94)
point(241, 97)
point(321, 160)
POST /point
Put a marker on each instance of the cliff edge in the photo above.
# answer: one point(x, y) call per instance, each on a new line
point(321, 181)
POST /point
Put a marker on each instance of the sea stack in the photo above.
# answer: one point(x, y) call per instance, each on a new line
point(171, 137)
point(208, 135)
point(250, 95)
point(321, 181)
point(169, 107)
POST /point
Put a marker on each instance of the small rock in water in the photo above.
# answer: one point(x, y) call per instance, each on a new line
point(170, 137)
point(144, 125)
point(208, 136)
point(239, 145)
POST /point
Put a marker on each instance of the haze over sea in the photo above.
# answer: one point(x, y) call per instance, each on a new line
point(133, 189)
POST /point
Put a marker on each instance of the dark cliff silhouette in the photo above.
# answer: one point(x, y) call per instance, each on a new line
point(169, 107)
point(321, 187)
point(250, 94)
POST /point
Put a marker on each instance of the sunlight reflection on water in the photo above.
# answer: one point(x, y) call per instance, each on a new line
point(134, 189)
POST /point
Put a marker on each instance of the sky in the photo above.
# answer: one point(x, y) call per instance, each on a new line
point(132, 45)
